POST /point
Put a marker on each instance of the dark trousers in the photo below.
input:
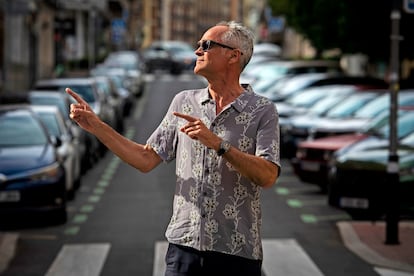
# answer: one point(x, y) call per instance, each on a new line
point(186, 261)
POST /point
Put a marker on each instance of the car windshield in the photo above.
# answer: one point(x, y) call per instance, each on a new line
point(375, 107)
point(405, 126)
point(51, 123)
point(20, 130)
point(43, 100)
point(350, 105)
point(306, 98)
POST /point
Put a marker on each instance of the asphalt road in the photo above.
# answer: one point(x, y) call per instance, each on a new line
point(117, 220)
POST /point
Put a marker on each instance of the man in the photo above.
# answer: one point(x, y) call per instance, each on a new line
point(225, 139)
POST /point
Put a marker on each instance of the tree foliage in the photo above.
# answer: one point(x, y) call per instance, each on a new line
point(354, 26)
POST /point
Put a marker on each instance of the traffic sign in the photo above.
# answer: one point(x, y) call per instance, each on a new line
point(409, 6)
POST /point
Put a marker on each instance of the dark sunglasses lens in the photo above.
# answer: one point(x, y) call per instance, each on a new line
point(205, 45)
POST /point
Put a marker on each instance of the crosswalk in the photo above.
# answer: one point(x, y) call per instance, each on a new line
point(282, 257)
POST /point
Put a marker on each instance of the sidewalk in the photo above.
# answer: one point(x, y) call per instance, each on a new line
point(8, 243)
point(367, 240)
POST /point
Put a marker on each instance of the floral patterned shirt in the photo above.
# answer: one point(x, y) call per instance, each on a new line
point(215, 208)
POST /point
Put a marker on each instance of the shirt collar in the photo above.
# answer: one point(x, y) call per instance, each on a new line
point(239, 104)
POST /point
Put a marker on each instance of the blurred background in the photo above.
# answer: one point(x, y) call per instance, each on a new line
point(41, 38)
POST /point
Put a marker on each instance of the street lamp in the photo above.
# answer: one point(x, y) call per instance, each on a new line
point(392, 214)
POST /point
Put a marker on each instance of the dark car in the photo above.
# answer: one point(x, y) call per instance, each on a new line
point(358, 182)
point(32, 178)
point(171, 56)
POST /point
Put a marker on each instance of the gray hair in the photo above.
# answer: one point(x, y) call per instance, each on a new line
point(241, 36)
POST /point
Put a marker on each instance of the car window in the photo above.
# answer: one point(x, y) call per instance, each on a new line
point(21, 131)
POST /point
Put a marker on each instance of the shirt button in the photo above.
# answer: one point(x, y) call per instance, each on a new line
point(203, 215)
point(204, 193)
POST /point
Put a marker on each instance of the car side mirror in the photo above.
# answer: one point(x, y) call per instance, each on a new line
point(56, 141)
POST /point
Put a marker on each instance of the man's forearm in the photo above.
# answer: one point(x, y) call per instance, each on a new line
point(141, 157)
point(260, 171)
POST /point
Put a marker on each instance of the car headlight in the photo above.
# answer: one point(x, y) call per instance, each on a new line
point(46, 173)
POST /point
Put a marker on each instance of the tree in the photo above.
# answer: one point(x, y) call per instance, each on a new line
point(353, 26)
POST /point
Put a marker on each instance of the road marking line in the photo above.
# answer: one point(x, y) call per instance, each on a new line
point(159, 257)
point(87, 208)
point(94, 198)
point(286, 257)
point(79, 260)
point(71, 231)
point(99, 191)
point(79, 218)
point(297, 203)
point(282, 191)
point(281, 257)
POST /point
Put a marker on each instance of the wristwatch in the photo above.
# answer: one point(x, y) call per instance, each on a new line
point(224, 147)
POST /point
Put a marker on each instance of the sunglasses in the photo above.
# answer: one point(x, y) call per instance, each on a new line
point(206, 45)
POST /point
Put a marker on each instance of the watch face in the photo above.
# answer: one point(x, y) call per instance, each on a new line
point(224, 147)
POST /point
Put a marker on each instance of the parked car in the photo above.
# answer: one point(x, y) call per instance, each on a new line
point(169, 55)
point(87, 88)
point(359, 174)
point(118, 79)
point(263, 76)
point(133, 64)
point(292, 84)
point(340, 113)
point(312, 161)
point(88, 144)
point(107, 87)
point(67, 146)
point(32, 176)
point(328, 127)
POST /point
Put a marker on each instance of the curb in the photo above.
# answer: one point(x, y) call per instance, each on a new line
point(353, 243)
point(8, 243)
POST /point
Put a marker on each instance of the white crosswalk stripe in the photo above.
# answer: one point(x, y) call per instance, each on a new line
point(79, 260)
point(287, 257)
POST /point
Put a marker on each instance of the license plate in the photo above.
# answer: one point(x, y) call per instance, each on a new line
point(359, 203)
point(9, 196)
point(310, 166)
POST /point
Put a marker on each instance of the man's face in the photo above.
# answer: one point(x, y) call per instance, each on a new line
point(212, 59)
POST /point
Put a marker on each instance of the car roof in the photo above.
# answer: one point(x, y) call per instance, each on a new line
point(66, 81)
